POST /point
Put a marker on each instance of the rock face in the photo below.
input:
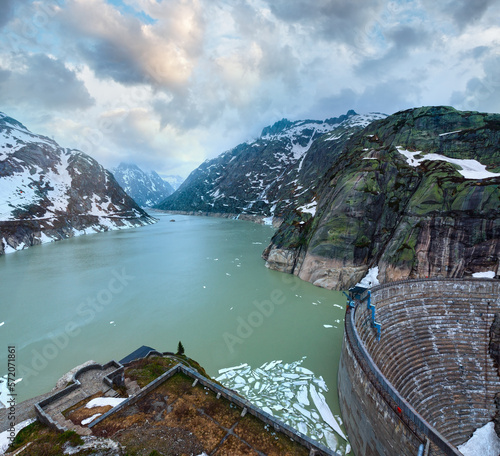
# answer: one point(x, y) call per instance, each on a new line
point(49, 193)
point(272, 174)
point(147, 189)
point(407, 194)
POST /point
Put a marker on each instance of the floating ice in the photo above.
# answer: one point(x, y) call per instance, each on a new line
point(272, 364)
point(282, 390)
point(325, 412)
point(302, 396)
point(228, 369)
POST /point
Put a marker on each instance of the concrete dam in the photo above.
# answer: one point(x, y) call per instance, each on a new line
point(419, 370)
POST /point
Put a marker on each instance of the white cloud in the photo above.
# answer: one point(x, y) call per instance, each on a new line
point(169, 83)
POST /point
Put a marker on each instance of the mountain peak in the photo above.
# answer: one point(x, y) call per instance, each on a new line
point(277, 127)
point(147, 188)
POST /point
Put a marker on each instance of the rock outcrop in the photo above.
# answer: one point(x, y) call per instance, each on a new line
point(409, 194)
point(49, 193)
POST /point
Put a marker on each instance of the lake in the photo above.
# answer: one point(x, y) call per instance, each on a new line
point(197, 280)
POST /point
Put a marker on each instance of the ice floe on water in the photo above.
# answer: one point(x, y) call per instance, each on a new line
point(291, 393)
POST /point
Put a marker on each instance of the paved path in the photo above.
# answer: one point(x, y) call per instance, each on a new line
point(91, 383)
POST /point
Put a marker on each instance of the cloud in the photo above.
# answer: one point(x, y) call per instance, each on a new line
point(7, 11)
point(386, 97)
point(123, 48)
point(481, 93)
point(463, 13)
point(42, 82)
point(403, 40)
point(336, 20)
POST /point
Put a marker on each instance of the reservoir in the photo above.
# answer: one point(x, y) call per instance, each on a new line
point(197, 280)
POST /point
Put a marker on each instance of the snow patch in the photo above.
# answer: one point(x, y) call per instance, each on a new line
point(104, 402)
point(485, 275)
point(484, 442)
point(470, 169)
point(370, 279)
point(92, 418)
point(309, 208)
point(4, 436)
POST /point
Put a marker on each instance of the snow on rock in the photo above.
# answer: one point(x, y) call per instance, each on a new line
point(309, 208)
point(470, 169)
point(94, 443)
point(485, 274)
point(4, 391)
point(104, 402)
point(291, 393)
point(370, 279)
point(484, 442)
point(4, 436)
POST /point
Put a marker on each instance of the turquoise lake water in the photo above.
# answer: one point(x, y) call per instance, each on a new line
point(199, 280)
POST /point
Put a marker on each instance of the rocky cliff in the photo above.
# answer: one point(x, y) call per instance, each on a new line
point(415, 194)
point(50, 193)
point(147, 189)
point(268, 176)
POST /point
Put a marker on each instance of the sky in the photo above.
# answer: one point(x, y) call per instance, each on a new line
point(167, 84)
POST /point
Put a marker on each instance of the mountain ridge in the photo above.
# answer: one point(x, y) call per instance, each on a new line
point(50, 193)
point(260, 176)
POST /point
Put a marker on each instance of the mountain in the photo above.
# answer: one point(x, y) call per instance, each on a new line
point(268, 176)
point(174, 180)
point(415, 195)
point(147, 189)
point(50, 193)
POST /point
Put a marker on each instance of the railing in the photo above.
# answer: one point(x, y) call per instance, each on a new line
point(405, 412)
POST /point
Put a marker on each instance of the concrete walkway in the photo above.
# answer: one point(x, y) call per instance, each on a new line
point(91, 383)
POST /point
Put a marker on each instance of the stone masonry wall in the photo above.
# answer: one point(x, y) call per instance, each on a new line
point(434, 349)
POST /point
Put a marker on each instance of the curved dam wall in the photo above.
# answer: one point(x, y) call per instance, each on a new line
point(430, 376)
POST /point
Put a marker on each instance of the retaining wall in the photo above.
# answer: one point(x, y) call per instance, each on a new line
point(315, 448)
point(114, 376)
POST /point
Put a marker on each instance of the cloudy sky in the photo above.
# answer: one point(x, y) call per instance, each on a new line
point(169, 83)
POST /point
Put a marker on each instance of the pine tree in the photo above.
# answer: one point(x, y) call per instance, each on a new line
point(180, 348)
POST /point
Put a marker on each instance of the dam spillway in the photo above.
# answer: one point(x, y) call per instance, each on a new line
point(430, 379)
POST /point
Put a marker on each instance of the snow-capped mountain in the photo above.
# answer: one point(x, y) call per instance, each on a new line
point(271, 174)
point(51, 193)
point(413, 195)
point(174, 180)
point(147, 189)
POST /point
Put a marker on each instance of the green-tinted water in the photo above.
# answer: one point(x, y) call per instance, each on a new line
point(199, 280)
